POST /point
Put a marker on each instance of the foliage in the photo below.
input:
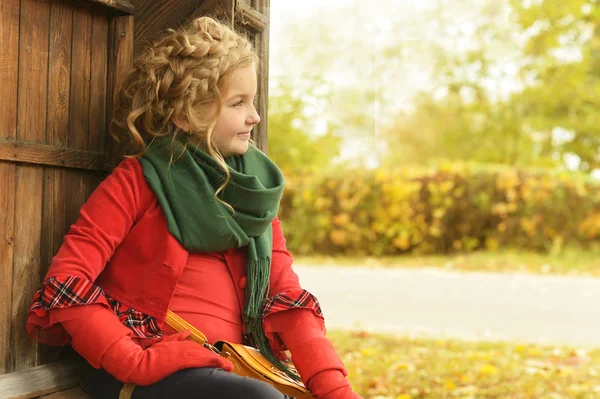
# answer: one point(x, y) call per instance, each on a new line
point(450, 208)
point(291, 145)
point(323, 73)
point(562, 67)
point(382, 367)
point(513, 82)
point(524, 92)
point(463, 114)
point(455, 129)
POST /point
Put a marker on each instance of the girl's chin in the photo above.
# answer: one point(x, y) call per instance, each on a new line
point(236, 148)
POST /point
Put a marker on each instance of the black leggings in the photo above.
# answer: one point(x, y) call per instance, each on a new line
point(196, 383)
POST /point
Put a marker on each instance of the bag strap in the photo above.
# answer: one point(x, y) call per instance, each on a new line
point(179, 324)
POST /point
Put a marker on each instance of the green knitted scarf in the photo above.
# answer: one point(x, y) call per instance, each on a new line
point(186, 192)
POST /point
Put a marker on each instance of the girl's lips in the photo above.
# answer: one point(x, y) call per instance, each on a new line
point(244, 134)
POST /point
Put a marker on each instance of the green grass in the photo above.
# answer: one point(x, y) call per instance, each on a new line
point(569, 262)
point(384, 367)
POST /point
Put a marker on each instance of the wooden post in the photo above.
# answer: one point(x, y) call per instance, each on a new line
point(262, 8)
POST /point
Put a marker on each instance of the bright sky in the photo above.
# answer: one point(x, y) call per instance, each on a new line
point(285, 13)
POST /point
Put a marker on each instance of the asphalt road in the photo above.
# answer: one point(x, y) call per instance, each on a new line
point(473, 306)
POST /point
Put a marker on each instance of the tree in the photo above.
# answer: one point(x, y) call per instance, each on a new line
point(561, 103)
point(291, 144)
point(464, 114)
point(549, 116)
point(333, 64)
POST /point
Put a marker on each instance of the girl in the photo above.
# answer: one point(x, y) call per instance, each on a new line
point(188, 224)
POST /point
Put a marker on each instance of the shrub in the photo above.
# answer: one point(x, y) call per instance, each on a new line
point(448, 208)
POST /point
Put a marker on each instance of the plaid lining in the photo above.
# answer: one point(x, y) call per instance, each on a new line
point(63, 292)
point(142, 325)
point(301, 299)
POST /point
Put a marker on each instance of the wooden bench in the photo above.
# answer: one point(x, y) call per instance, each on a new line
point(58, 380)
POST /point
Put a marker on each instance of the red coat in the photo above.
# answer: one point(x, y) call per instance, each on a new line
point(121, 244)
point(119, 254)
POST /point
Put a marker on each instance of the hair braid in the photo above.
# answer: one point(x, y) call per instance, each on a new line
point(179, 77)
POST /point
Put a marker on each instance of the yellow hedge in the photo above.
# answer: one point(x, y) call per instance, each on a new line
point(453, 207)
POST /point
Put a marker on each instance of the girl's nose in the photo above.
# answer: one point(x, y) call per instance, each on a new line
point(253, 118)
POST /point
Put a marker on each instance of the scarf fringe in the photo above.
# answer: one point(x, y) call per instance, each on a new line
point(258, 274)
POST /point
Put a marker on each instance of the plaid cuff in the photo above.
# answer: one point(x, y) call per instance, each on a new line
point(64, 292)
point(291, 300)
point(296, 299)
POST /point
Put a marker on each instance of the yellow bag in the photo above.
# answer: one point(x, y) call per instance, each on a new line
point(247, 361)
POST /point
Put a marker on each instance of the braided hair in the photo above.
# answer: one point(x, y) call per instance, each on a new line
point(181, 76)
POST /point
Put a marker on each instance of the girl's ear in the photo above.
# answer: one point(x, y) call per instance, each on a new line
point(182, 123)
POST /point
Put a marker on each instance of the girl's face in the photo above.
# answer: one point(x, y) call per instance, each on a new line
point(238, 115)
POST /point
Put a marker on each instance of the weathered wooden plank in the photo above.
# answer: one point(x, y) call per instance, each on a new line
point(26, 264)
point(219, 9)
point(77, 182)
point(98, 82)
point(59, 88)
point(260, 130)
point(254, 23)
point(262, 6)
point(77, 194)
point(7, 238)
point(31, 127)
point(93, 181)
point(75, 393)
point(33, 71)
point(152, 17)
point(120, 6)
point(80, 77)
point(61, 27)
point(40, 380)
point(19, 151)
point(249, 17)
point(9, 37)
point(120, 62)
point(54, 229)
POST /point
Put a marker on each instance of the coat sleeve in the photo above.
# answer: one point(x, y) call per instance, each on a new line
point(283, 277)
point(104, 220)
point(313, 355)
point(285, 291)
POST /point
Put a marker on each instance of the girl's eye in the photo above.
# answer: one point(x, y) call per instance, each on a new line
point(238, 103)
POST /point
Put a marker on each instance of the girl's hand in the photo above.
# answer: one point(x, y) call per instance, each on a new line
point(331, 384)
point(129, 362)
point(98, 335)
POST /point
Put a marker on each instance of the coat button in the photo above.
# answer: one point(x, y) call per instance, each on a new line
point(230, 251)
point(242, 283)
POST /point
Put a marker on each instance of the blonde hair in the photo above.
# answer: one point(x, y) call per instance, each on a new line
point(181, 77)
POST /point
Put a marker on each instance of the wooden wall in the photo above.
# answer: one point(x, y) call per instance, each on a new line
point(62, 60)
